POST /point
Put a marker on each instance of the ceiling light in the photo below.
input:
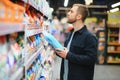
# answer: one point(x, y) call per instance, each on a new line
point(88, 2)
point(65, 3)
point(114, 10)
point(115, 5)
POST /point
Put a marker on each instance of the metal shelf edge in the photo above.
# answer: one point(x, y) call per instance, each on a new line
point(33, 32)
point(18, 74)
point(7, 28)
point(32, 58)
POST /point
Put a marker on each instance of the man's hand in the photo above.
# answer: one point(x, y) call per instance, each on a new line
point(62, 53)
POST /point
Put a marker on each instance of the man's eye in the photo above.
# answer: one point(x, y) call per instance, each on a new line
point(68, 10)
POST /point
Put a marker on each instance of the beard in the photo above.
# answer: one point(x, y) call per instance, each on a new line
point(71, 21)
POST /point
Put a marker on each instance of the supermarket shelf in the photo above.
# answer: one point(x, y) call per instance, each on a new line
point(32, 58)
point(32, 32)
point(96, 6)
point(38, 74)
point(114, 35)
point(113, 27)
point(113, 62)
point(45, 55)
point(43, 60)
point(32, 3)
point(114, 52)
point(48, 74)
point(32, 26)
point(25, 1)
point(99, 13)
point(18, 74)
point(115, 44)
point(7, 28)
point(101, 40)
point(88, 6)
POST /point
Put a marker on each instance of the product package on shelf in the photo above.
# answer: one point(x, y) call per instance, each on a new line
point(10, 12)
point(11, 56)
point(113, 59)
point(33, 44)
point(3, 57)
point(41, 65)
point(15, 58)
point(113, 28)
point(34, 68)
point(101, 46)
point(38, 58)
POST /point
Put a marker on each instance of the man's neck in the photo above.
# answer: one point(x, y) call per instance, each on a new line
point(77, 26)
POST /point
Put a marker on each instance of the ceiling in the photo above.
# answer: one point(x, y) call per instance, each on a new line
point(56, 4)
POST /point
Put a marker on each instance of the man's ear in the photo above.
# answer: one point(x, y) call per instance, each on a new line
point(79, 16)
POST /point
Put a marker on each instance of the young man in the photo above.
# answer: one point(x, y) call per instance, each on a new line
point(80, 55)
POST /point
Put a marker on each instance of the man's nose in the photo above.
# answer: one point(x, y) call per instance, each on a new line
point(68, 13)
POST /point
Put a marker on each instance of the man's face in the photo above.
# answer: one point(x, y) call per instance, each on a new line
point(72, 15)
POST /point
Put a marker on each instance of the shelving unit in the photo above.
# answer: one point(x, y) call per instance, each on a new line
point(38, 53)
point(24, 52)
point(97, 26)
point(33, 32)
point(14, 70)
point(101, 46)
point(18, 74)
point(114, 35)
point(7, 28)
point(113, 52)
point(29, 61)
point(40, 5)
point(113, 45)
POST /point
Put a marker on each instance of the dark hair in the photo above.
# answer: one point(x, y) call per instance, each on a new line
point(82, 10)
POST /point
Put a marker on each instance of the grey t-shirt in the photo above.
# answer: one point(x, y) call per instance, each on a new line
point(66, 61)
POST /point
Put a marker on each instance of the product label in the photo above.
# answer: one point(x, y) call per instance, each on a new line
point(16, 14)
point(2, 11)
point(9, 13)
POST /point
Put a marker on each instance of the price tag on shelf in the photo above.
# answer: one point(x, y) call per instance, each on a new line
point(32, 32)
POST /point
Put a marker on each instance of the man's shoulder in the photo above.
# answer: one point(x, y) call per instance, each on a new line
point(90, 34)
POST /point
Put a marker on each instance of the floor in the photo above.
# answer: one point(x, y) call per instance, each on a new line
point(107, 72)
point(102, 72)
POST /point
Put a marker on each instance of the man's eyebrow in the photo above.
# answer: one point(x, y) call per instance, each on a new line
point(68, 10)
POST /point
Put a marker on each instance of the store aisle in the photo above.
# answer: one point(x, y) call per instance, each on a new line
point(56, 68)
point(107, 72)
point(102, 72)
